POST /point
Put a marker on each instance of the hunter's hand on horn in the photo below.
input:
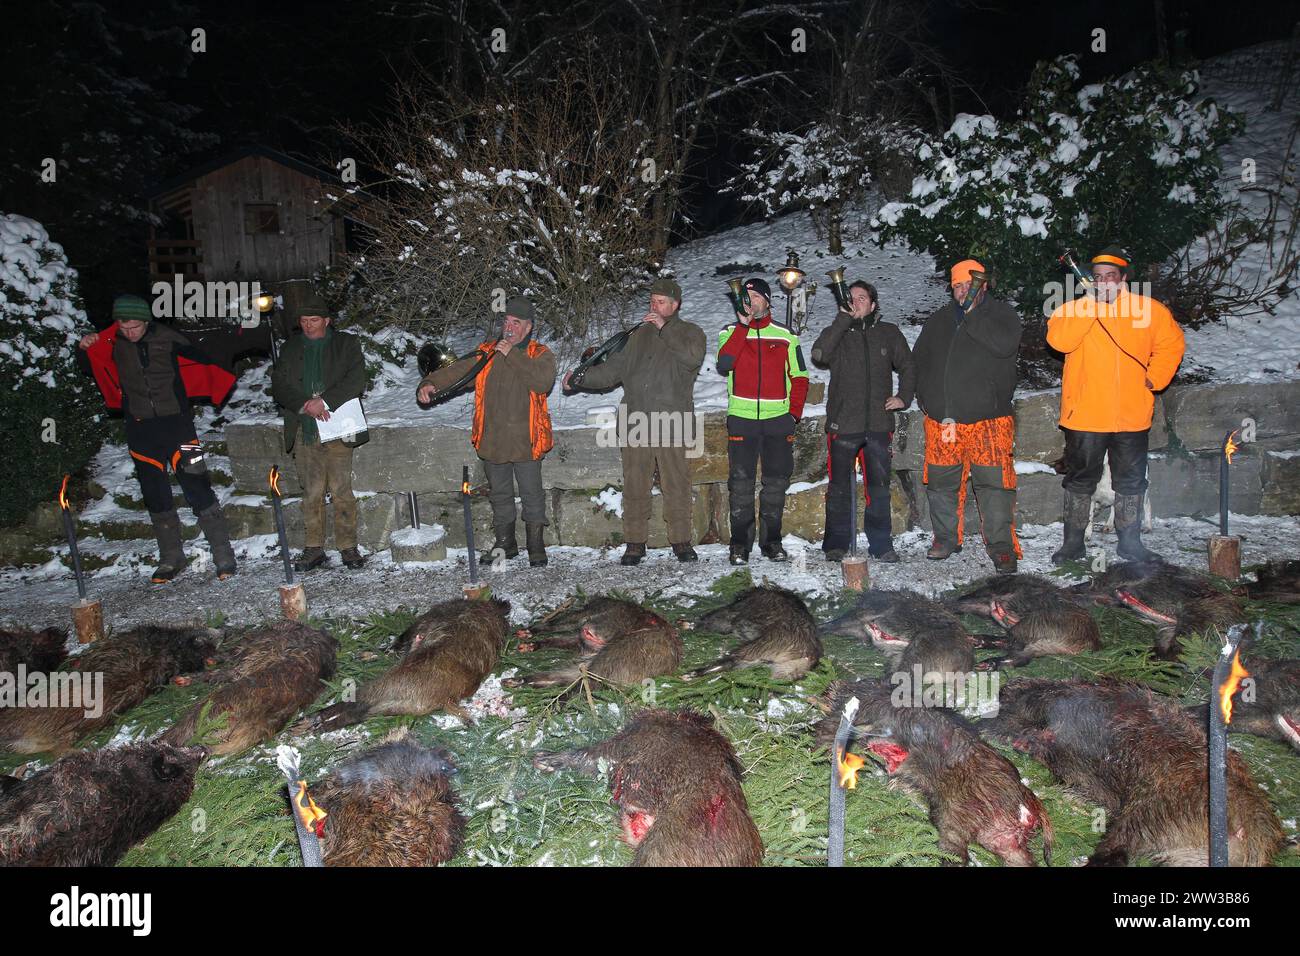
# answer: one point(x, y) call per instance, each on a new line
point(565, 384)
point(424, 394)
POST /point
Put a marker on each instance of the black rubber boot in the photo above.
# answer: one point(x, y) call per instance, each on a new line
point(1128, 528)
point(739, 554)
point(171, 552)
point(1075, 513)
point(213, 523)
point(632, 554)
point(505, 541)
point(534, 535)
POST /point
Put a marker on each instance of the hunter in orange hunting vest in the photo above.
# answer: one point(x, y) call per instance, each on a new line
point(512, 426)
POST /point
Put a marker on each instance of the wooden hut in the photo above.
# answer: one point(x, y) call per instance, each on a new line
point(253, 214)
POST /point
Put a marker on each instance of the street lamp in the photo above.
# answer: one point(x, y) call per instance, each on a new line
point(791, 276)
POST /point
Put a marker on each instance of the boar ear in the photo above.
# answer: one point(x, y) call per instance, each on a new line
point(165, 768)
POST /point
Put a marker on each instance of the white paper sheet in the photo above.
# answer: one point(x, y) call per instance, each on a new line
point(344, 422)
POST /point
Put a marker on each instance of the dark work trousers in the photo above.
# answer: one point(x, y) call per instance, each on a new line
point(154, 444)
point(1085, 453)
point(750, 441)
point(872, 451)
point(501, 491)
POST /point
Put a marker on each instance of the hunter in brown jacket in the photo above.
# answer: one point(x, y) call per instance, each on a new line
point(512, 426)
point(862, 354)
point(657, 368)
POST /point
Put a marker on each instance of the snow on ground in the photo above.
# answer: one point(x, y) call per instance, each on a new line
point(39, 597)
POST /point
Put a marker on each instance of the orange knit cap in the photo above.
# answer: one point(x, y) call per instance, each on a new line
point(961, 272)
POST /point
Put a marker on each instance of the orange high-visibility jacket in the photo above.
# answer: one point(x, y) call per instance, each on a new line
point(1102, 388)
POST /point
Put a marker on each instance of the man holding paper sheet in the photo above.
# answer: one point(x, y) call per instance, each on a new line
point(318, 382)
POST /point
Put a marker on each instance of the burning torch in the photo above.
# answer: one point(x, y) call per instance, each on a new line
point(293, 599)
point(1225, 549)
point(844, 776)
point(1228, 675)
point(308, 818)
point(87, 615)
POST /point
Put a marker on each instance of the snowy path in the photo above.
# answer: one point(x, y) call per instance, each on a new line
point(41, 597)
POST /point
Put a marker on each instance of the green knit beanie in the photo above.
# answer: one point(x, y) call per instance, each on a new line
point(131, 308)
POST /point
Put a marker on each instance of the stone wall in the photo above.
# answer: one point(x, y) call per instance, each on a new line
point(1190, 422)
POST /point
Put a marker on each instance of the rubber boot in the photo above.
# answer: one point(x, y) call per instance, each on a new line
point(1076, 510)
point(685, 552)
point(213, 523)
point(505, 540)
point(1128, 528)
point(941, 496)
point(171, 552)
point(535, 535)
point(632, 554)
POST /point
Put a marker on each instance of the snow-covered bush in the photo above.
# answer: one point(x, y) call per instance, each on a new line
point(1133, 160)
point(823, 169)
point(50, 421)
point(540, 191)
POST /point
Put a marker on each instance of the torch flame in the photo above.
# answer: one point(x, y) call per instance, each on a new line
point(273, 479)
point(63, 493)
point(1230, 687)
point(1230, 446)
point(849, 765)
point(464, 487)
point(311, 815)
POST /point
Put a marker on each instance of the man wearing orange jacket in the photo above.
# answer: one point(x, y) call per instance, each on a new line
point(512, 425)
point(1120, 349)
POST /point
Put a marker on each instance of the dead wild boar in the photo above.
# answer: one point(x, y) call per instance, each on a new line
point(1268, 704)
point(911, 630)
point(448, 652)
point(41, 651)
point(392, 805)
point(619, 641)
point(676, 782)
point(134, 664)
point(90, 807)
point(1177, 600)
point(974, 794)
point(1277, 582)
point(1144, 760)
point(775, 629)
point(273, 673)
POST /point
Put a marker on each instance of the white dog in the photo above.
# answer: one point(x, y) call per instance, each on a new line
point(1104, 497)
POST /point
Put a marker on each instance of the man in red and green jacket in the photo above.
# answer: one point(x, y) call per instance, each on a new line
point(767, 382)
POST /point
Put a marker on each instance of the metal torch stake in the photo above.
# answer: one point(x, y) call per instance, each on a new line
point(835, 844)
point(284, 540)
point(71, 532)
point(1223, 485)
point(469, 525)
point(1218, 748)
point(853, 505)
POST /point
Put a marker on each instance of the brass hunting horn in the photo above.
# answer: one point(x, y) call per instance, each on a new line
point(840, 289)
